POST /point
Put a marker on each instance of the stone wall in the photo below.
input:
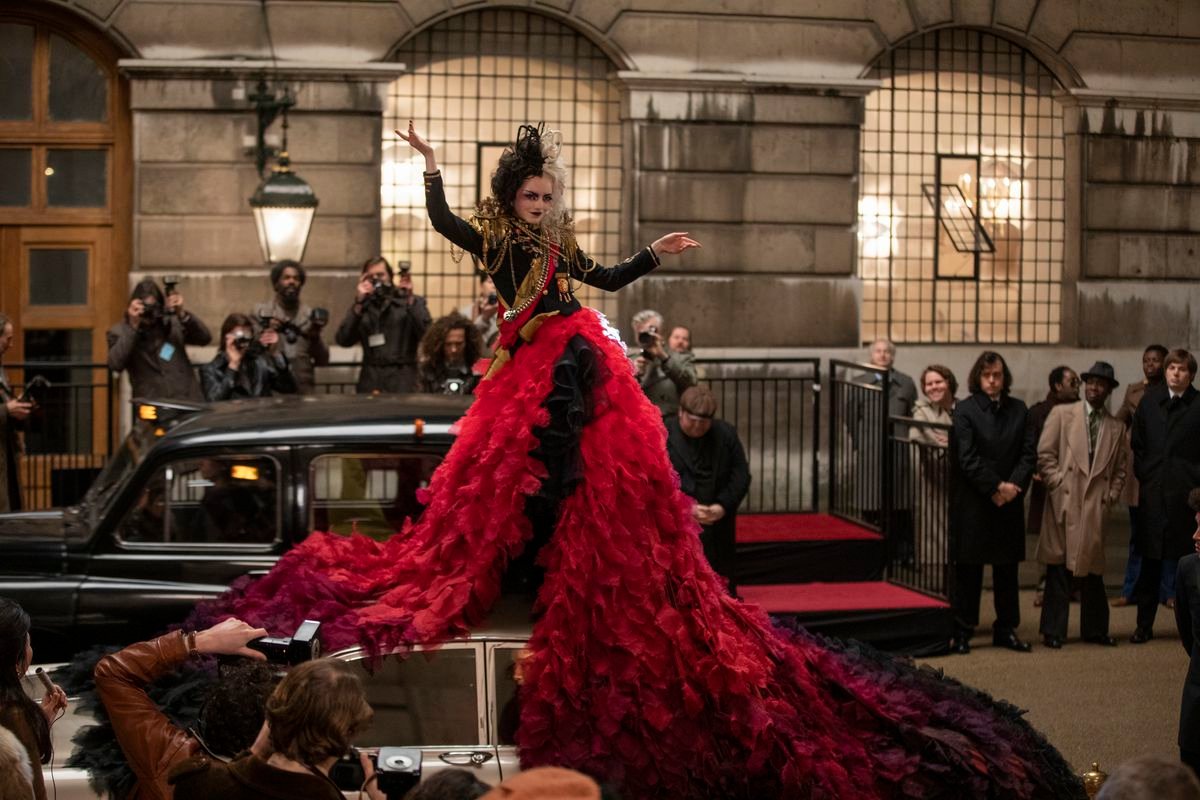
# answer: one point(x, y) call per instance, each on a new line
point(741, 120)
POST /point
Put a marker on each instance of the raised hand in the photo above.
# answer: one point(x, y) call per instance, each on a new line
point(674, 244)
point(420, 145)
point(229, 637)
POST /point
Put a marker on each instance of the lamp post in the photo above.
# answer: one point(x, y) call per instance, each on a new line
point(284, 203)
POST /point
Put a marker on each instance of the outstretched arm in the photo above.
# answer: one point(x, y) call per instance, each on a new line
point(613, 278)
point(444, 221)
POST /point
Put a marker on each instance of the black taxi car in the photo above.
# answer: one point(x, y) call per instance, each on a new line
point(198, 496)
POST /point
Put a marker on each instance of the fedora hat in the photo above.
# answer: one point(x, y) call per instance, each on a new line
point(1104, 370)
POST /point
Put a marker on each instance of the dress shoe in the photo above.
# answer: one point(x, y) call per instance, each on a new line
point(960, 645)
point(1142, 635)
point(1053, 642)
point(1119, 601)
point(1106, 641)
point(1009, 639)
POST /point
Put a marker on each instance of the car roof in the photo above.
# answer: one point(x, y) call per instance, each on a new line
point(290, 419)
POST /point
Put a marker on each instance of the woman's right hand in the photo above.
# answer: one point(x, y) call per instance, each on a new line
point(230, 637)
point(53, 703)
point(420, 145)
point(232, 354)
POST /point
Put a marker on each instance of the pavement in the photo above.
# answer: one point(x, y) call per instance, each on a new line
point(1093, 703)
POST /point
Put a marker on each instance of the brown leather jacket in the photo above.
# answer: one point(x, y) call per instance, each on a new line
point(247, 778)
point(152, 745)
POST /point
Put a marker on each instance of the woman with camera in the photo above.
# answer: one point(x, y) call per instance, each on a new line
point(29, 721)
point(246, 367)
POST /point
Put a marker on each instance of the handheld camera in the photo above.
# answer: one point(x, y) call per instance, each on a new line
point(303, 645)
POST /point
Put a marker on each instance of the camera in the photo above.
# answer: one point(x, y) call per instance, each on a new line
point(397, 770)
point(319, 316)
point(169, 284)
point(492, 299)
point(303, 645)
point(381, 288)
point(454, 386)
point(646, 337)
point(242, 341)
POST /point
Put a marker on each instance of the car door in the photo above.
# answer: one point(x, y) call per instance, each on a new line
point(194, 523)
point(504, 679)
point(433, 700)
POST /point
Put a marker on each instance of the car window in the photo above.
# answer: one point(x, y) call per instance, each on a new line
point(506, 679)
point(423, 699)
point(221, 499)
point(368, 493)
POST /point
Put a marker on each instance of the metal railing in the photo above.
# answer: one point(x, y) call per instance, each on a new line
point(858, 441)
point(68, 438)
point(919, 534)
point(774, 404)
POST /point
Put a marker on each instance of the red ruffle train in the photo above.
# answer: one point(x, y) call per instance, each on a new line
point(643, 671)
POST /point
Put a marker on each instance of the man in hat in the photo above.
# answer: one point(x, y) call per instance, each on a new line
point(1081, 458)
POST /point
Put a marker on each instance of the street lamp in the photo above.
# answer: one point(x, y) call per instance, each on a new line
point(284, 203)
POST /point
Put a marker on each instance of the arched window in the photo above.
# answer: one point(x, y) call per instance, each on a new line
point(473, 79)
point(961, 213)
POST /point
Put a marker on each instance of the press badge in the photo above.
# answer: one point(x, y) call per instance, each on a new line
point(376, 340)
point(166, 351)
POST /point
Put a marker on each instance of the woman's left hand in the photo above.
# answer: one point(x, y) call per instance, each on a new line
point(53, 703)
point(674, 244)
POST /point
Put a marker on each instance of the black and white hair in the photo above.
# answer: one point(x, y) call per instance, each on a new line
point(537, 151)
point(644, 316)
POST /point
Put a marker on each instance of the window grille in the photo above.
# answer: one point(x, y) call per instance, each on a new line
point(472, 80)
point(961, 213)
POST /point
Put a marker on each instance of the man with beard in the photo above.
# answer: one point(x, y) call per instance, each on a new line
point(151, 344)
point(298, 328)
point(388, 319)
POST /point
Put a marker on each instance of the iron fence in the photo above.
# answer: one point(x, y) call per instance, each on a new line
point(773, 403)
point(858, 442)
point(919, 538)
point(69, 436)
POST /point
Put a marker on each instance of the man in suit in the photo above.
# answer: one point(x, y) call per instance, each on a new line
point(993, 457)
point(1166, 461)
point(712, 469)
point(13, 413)
point(1187, 619)
point(1081, 458)
point(1152, 371)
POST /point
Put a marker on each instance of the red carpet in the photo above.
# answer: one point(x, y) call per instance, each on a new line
point(801, 598)
point(756, 528)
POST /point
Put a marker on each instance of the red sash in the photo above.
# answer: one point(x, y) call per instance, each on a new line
point(510, 330)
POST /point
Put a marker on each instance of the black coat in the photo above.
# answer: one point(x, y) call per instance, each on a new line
point(1187, 618)
point(987, 447)
point(1166, 461)
point(156, 357)
point(258, 376)
point(392, 365)
point(731, 475)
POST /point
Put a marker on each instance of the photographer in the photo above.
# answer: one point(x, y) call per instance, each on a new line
point(484, 312)
point(664, 374)
point(388, 321)
point(298, 326)
point(150, 343)
point(312, 717)
point(13, 413)
point(247, 367)
point(448, 352)
point(229, 722)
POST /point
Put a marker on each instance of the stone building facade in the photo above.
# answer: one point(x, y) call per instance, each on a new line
point(740, 121)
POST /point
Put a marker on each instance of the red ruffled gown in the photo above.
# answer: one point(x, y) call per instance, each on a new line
point(643, 671)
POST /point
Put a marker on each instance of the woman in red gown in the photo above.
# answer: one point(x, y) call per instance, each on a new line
point(643, 671)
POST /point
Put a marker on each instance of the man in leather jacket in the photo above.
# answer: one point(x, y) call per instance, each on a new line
point(152, 744)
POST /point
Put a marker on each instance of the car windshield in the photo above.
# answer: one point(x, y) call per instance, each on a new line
point(118, 469)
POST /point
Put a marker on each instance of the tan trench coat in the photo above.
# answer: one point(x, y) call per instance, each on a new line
point(1073, 520)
